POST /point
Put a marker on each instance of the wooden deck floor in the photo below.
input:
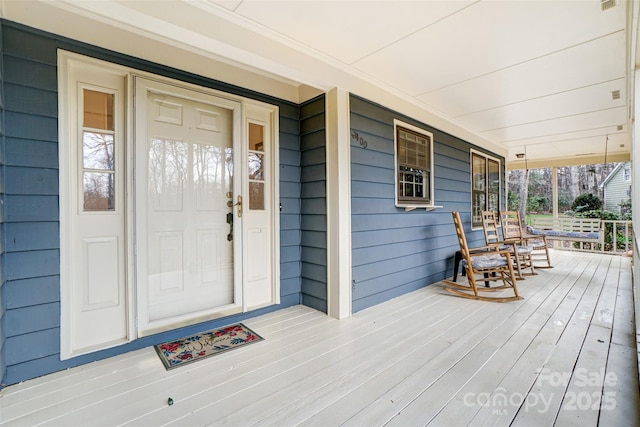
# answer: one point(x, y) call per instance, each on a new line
point(426, 358)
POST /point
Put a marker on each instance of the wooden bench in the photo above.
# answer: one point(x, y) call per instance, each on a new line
point(587, 230)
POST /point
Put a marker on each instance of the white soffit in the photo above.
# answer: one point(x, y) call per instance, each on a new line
point(548, 75)
point(577, 101)
point(347, 30)
point(486, 37)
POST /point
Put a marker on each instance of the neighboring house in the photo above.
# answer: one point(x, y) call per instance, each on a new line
point(617, 187)
point(132, 189)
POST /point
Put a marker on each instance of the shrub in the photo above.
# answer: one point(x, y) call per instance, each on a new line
point(537, 204)
point(586, 202)
point(599, 214)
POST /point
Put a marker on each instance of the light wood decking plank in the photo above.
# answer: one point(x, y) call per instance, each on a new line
point(338, 392)
point(319, 372)
point(367, 327)
point(581, 401)
point(412, 379)
point(538, 331)
point(622, 360)
point(80, 399)
point(219, 380)
point(620, 401)
point(527, 372)
point(417, 355)
point(553, 378)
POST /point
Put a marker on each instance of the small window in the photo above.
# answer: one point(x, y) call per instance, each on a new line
point(256, 166)
point(627, 173)
point(414, 166)
point(485, 186)
point(97, 147)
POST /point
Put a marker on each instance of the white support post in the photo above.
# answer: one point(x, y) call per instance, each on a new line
point(554, 178)
point(338, 203)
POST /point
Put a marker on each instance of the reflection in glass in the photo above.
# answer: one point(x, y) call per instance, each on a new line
point(256, 137)
point(494, 176)
point(97, 151)
point(98, 191)
point(479, 172)
point(98, 110)
point(212, 171)
point(167, 173)
point(256, 195)
point(256, 169)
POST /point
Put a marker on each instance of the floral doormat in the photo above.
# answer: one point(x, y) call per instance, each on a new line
point(199, 346)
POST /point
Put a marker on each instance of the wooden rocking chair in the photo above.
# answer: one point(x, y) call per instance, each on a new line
point(512, 231)
point(520, 251)
point(483, 263)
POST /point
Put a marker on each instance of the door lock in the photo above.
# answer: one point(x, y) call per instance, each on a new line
point(239, 203)
point(230, 204)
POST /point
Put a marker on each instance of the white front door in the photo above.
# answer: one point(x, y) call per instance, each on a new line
point(168, 196)
point(189, 258)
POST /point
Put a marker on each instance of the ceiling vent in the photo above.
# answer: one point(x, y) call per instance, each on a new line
point(607, 4)
point(615, 94)
point(619, 127)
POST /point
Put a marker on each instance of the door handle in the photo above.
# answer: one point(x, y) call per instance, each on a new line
point(230, 204)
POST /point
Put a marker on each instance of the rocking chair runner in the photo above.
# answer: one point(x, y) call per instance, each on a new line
point(488, 262)
point(520, 251)
point(512, 231)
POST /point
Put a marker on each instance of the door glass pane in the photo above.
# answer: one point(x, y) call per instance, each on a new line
point(256, 137)
point(256, 170)
point(97, 151)
point(256, 195)
point(98, 191)
point(98, 110)
point(256, 159)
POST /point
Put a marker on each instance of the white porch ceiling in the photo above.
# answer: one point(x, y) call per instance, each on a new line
point(528, 76)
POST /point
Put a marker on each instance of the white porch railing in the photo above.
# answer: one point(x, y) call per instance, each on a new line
point(618, 239)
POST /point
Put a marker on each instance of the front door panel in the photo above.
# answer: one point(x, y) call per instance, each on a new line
point(185, 167)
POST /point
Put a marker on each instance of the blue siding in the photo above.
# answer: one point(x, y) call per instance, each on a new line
point(29, 227)
point(3, 160)
point(393, 251)
point(313, 160)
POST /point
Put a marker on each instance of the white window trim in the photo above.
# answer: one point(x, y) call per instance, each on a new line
point(406, 205)
point(487, 157)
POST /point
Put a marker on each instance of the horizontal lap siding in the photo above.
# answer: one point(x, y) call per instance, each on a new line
point(3, 362)
point(616, 190)
point(30, 245)
point(313, 204)
point(393, 251)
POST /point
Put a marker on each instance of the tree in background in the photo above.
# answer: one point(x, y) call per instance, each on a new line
point(532, 189)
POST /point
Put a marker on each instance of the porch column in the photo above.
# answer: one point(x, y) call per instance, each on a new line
point(338, 204)
point(554, 186)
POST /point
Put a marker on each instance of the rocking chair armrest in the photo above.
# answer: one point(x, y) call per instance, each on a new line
point(514, 241)
point(489, 249)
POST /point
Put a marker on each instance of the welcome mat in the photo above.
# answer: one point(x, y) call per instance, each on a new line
point(206, 344)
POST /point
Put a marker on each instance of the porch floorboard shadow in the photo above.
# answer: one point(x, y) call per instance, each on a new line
point(564, 355)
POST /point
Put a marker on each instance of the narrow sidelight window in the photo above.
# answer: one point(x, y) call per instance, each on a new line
point(98, 166)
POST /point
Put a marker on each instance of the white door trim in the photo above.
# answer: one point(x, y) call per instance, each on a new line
point(67, 119)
